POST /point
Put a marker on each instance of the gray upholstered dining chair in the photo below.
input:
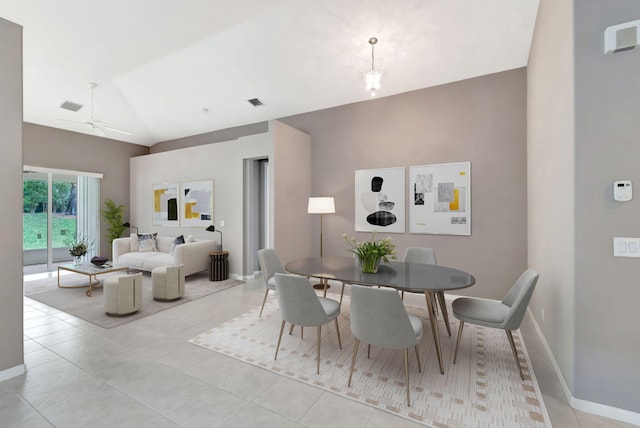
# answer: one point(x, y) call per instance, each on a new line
point(300, 305)
point(506, 315)
point(269, 265)
point(379, 318)
point(427, 256)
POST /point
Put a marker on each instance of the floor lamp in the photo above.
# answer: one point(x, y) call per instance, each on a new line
point(321, 205)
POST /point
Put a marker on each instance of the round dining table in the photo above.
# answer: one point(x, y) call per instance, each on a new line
point(408, 277)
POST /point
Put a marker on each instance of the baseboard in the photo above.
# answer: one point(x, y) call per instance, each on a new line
point(12, 372)
point(583, 405)
point(241, 277)
point(606, 411)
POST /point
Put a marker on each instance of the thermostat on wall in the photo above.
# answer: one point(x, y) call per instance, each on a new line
point(622, 190)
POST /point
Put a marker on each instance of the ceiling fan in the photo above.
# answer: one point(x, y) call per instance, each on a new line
point(96, 125)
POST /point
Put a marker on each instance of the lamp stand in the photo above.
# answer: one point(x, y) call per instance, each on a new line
point(320, 235)
point(324, 283)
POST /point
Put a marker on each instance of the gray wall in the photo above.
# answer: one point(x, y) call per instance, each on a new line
point(56, 148)
point(607, 118)
point(482, 120)
point(583, 131)
point(291, 188)
point(11, 340)
point(551, 183)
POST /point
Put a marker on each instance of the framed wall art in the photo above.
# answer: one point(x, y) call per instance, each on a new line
point(440, 198)
point(165, 204)
point(197, 203)
point(379, 203)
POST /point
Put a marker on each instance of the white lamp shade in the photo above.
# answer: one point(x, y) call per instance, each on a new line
point(321, 205)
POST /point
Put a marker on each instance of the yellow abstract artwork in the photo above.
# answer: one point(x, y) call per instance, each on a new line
point(189, 212)
point(157, 197)
point(455, 204)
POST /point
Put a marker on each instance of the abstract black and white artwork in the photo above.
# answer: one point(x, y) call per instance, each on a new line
point(379, 203)
point(440, 199)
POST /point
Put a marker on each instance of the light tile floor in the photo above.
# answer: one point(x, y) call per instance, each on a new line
point(146, 374)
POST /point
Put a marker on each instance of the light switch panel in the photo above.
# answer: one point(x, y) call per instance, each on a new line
point(626, 247)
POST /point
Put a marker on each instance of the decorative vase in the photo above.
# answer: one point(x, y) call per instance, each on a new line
point(77, 260)
point(369, 264)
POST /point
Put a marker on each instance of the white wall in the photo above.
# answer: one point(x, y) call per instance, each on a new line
point(221, 162)
point(551, 182)
point(11, 300)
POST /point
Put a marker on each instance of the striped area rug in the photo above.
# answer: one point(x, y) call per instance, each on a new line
point(483, 388)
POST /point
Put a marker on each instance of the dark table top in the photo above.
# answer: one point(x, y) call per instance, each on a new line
point(416, 277)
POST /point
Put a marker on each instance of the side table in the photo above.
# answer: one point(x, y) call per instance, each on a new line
point(218, 265)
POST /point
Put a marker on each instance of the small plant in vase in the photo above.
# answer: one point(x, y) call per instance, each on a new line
point(371, 253)
point(79, 249)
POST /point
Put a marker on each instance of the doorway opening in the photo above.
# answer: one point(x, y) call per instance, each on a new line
point(256, 212)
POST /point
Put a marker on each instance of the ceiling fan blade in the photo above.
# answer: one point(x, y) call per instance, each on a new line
point(119, 131)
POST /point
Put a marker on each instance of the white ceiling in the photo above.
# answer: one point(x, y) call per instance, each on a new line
point(158, 63)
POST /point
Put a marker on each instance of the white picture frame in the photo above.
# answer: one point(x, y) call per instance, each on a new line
point(380, 200)
point(165, 201)
point(197, 203)
point(440, 199)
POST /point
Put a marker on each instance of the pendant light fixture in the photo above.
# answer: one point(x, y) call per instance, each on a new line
point(373, 76)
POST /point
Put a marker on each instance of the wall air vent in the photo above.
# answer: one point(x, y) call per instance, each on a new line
point(255, 102)
point(622, 37)
point(68, 105)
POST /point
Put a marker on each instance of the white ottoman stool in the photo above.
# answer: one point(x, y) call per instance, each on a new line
point(168, 283)
point(123, 294)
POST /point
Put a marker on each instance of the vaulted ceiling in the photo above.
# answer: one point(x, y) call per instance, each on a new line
point(167, 69)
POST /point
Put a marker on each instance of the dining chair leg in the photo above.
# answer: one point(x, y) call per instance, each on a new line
point(266, 293)
point(318, 356)
point(353, 360)
point(279, 339)
point(338, 332)
point(418, 358)
point(406, 373)
point(455, 354)
point(291, 329)
point(302, 332)
point(515, 352)
point(443, 307)
point(368, 351)
point(402, 294)
point(342, 294)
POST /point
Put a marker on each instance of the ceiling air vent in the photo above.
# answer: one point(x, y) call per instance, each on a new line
point(255, 102)
point(68, 105)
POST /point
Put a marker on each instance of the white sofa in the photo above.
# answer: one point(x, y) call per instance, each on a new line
point(194, 255)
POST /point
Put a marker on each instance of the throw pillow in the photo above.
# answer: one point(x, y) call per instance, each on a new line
point(189, 239)
point(133, 243)
point(179, 240)
point(147, 242)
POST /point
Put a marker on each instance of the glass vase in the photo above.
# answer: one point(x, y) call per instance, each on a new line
point(77, 260)
point(369, 264)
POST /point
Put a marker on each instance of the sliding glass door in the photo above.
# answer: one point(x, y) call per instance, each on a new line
point(58, 208)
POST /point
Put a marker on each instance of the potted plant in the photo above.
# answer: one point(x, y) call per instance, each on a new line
point(114, 216)
point(79, 248)
point(371, 253)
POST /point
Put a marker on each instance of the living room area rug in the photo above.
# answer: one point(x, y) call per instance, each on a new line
point(75, 302)
point(483, 388)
